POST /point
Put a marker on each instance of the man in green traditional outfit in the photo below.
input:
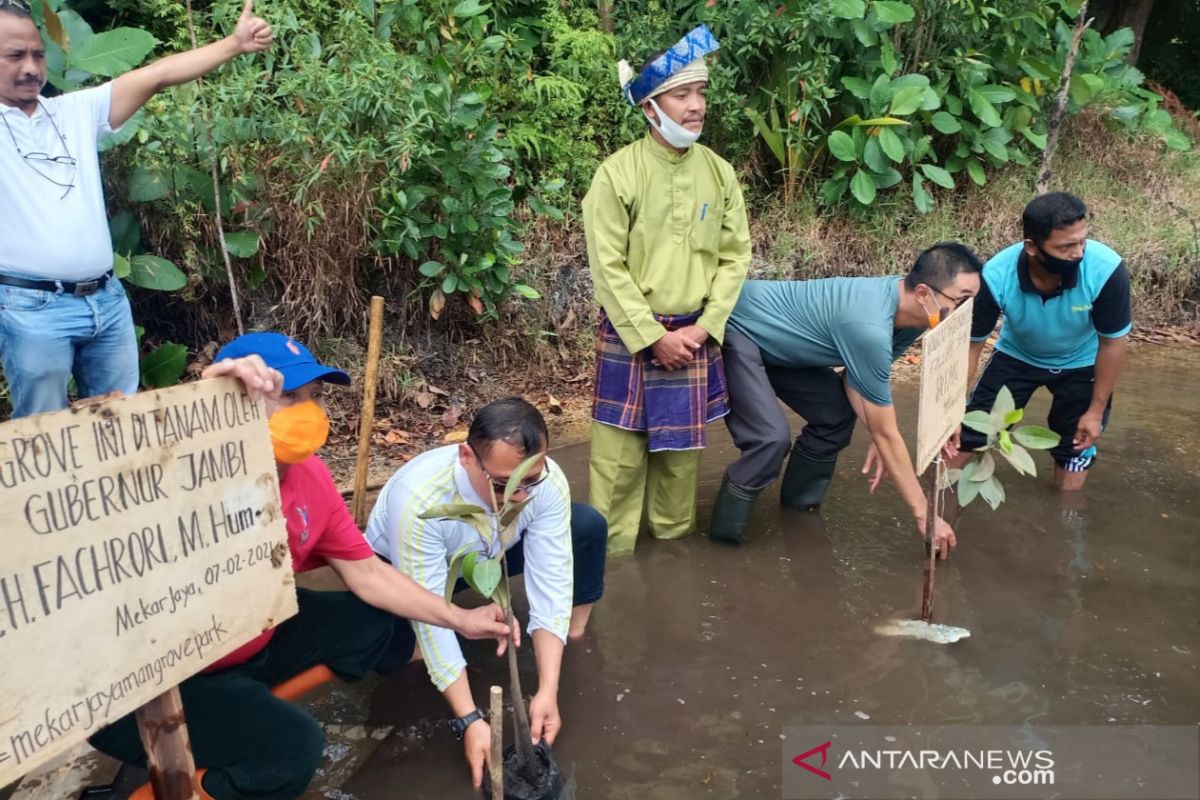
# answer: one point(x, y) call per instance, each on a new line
point(668, 246)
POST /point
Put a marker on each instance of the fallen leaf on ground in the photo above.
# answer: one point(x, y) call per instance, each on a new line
point(424, 399)
point(450, 415)
point(455, 436)
point(555, 406)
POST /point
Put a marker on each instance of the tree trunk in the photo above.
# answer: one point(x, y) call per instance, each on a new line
point(1135, 16)
point(1055, 121)
point(604, 7)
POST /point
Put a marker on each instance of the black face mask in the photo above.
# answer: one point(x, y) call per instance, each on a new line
point(1059, 266)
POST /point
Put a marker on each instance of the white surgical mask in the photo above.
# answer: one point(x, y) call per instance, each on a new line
point(675, 134)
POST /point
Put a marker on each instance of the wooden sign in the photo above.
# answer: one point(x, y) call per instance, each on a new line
point(143, 540)
point(944, 354)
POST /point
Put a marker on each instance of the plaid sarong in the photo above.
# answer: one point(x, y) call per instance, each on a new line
point(671, 406)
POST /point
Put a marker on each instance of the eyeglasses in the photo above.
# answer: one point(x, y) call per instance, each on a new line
point(958, 301)
point(501, 486)
point(45, 158)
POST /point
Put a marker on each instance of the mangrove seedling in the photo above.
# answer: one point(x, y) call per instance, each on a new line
point(977, 478)
point(487, 573)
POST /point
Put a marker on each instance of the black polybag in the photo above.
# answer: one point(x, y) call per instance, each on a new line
point(551, 782)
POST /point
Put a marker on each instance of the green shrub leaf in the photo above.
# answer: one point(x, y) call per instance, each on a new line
point(983, 109)
point(863, 188)
point(946, 123)
point(891, 144)
point(111, 53)
point(842, 146)
point(153, 272)
point(892, 12)
point(242, 244)
point(848, 9)
point(938, 175)
point(164, 365)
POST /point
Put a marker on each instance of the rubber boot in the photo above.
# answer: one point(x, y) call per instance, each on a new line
point(805, 480)
point(731, 512)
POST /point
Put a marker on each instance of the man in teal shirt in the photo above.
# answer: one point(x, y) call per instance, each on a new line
point(1066, 308)
point(783, 341)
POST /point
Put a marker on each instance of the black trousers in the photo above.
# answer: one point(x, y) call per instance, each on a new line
point(759, 425)
point(254, 745)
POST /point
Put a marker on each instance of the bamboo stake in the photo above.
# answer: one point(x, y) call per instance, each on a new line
point(931, 489)
point(1054, 124)
point(367, 417)
point(164, 735)
point(497, 760)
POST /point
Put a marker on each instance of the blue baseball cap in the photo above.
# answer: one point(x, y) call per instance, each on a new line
point(285, 354)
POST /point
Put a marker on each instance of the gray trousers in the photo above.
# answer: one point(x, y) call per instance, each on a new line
point(759, 425)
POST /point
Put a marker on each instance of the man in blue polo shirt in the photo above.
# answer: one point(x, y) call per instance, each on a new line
point(783, 341)
point(1065, 302)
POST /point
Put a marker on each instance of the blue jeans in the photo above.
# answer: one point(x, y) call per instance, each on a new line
point(47, 337)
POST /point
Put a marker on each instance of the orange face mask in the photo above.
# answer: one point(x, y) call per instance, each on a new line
point(934, 316)
point(298, 431)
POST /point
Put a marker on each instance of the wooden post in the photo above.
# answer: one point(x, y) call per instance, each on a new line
point(1058, 115)
point(366, 421)
point(164, 736)
point(931, 489)
point(497, 757)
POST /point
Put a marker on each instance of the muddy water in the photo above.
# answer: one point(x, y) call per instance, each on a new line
point(1080, 613)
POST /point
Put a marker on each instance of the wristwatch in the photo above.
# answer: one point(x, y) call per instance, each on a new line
point(460, 724)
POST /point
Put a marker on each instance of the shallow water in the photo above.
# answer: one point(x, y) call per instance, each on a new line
point(1080, 612)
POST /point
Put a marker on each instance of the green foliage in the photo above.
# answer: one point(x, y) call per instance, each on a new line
point(978, 478)
point(163, 366)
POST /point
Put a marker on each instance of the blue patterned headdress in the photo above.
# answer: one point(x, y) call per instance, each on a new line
point(683, 63)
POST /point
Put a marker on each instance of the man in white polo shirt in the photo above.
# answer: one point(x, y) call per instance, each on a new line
point(62, 312)
point(559, 546)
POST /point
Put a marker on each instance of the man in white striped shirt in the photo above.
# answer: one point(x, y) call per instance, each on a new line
point(559, 546)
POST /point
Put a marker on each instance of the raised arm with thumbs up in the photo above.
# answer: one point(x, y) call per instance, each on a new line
point(134, 88)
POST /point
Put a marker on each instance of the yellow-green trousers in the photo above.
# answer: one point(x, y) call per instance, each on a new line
point(624, 474)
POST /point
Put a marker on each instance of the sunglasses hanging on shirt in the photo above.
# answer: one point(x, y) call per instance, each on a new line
point(32, 159)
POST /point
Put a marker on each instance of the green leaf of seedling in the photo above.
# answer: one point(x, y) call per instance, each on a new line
point(992, 492)
point(1006, 444)
point(452, 511)
point(949, 478)
point(508, 520)
point(1035, 437)
point(842, 146)
point(985, 467)
point(453, 573)
point(431, 269)
point(1002, 407)
point(980, 421)
point(1014, 416)
point(481, 574)
point(1020, 459)
point(518, 475)
point(968, 489)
